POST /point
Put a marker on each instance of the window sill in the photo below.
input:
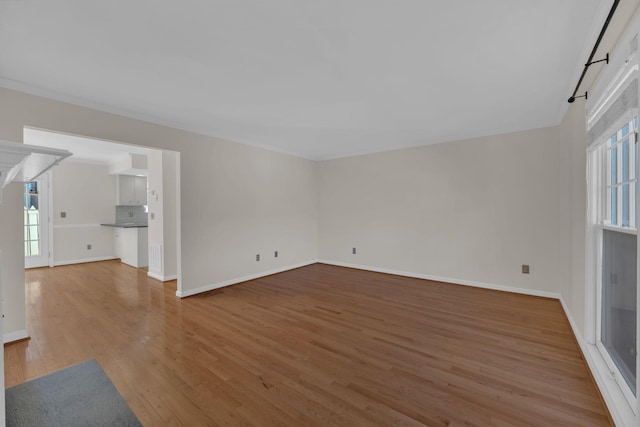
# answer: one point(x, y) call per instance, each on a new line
point(621, 411)
point(626, 230)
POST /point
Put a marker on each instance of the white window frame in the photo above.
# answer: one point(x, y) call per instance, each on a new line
point(599, 182)
point(631, 137)
point(624, 67)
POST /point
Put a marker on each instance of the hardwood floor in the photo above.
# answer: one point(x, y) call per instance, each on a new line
point(316, 346)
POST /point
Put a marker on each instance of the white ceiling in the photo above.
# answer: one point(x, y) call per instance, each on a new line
point(319, 79)
point(85, 150)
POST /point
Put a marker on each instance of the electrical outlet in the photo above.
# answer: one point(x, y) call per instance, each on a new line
point(258, 257)
point(63, 214)
point(353, 251)
point(525, 269)
point(275, 254)
point(89, 247)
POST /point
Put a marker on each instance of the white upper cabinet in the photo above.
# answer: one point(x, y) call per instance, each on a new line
point(140, 190)
point(132, 190)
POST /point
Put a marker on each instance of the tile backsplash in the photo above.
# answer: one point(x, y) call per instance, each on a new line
point(135, 214)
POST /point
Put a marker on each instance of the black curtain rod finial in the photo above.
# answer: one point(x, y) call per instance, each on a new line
point(601, 60)
point(573, 98)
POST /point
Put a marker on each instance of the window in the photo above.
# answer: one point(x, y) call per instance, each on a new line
point(622, 152)
point(618, 306)
point(611, 238)
point(619, 253)
point(613, 181)
point(31, 219)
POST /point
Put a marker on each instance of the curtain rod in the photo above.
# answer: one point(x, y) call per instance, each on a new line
point(590, 61)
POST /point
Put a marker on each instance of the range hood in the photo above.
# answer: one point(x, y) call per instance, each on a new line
point(133, 164)
point(23, 163)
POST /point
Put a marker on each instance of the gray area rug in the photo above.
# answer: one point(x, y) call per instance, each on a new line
point(81, 395)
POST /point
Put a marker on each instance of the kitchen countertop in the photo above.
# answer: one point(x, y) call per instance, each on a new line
point(126, 225)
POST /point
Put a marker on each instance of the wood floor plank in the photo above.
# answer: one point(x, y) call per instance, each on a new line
point(316, 346)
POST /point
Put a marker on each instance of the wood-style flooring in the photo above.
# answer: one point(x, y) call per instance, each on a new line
point(316, 346)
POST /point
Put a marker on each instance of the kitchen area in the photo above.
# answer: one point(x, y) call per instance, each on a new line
point(130, 229)
point(113, 201)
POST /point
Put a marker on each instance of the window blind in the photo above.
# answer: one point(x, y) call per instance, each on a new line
point(626, 101)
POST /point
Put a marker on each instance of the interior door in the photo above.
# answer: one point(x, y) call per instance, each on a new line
point(36, 222)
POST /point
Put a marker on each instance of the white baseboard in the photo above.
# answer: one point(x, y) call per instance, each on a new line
point(618, 406)
point(58, 226)
point(492, 286)
point(183, 294)
point(83, 260)
point(15, 336)
point(160, 277)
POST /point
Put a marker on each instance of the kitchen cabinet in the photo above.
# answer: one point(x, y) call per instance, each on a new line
point(118, 245)
point(131, 245)
point(132, 190)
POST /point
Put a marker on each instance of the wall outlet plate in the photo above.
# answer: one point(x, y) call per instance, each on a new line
point(63, 214)
point(525, 269)
point(258, 257)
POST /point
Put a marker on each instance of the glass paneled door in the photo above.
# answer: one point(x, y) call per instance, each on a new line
point(36, 222)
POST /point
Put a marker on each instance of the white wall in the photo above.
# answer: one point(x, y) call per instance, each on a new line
point(466, 211)
point(88, 196)
point(163, 203)
point(236, 200)
point(573, 291)
point(170, 168)
point(11, 238)
point(246, 202)
point(155, 216)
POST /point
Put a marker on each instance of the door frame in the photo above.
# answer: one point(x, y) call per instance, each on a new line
point(46, 223)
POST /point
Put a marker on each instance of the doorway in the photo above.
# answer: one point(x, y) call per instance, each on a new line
point(36, 202)
point(78, 224)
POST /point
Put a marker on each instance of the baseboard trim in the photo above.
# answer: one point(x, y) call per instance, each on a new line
point(83, 260)
point(475, 284)
point(15, 336)
point(184, 294)
point(617, 405)
point(61, 226)
point(160, 277)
